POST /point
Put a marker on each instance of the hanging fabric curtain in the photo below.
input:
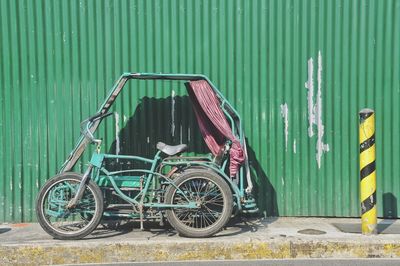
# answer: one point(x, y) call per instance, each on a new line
point(212, 122)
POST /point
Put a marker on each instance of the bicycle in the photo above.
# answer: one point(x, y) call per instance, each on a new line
point(194, 194)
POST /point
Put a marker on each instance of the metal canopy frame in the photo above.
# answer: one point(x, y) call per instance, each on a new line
point(228, 109)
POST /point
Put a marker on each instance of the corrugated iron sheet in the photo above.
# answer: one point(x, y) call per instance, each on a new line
point(297, 71)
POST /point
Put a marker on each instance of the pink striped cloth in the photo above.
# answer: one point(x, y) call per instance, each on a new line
point(212, 122)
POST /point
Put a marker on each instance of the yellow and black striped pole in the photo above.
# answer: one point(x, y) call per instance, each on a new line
point(367, 172)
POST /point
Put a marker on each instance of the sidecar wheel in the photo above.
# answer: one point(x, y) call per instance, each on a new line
point(63, 223)
point(213, 198)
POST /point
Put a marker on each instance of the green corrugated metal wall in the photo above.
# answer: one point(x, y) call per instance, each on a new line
point(297, 71)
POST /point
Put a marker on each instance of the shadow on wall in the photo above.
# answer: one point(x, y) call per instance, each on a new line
point(389, 205)
point(263, 191)
point(171, 120)
point(389, 211)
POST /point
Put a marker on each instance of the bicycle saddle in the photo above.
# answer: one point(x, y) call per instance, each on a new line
point(171, 150)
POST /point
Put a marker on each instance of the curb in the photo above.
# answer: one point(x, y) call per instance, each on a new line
point(174, 251)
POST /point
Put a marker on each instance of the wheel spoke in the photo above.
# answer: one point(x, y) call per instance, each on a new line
point(208, 192)
point(209, 220)
point(213, 213)
point(215, 197)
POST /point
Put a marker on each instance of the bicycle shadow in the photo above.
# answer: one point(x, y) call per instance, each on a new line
point(153, 230)
point(263, 190)
point(172, 121)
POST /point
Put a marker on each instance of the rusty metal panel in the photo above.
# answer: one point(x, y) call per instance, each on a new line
point(297, 71)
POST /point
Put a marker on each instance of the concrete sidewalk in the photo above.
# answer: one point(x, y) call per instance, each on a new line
point(242, 239)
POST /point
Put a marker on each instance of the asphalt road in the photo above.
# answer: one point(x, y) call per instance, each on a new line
point(291, 262)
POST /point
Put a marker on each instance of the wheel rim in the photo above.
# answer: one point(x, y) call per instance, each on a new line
point(61, 219)
point(209, 200)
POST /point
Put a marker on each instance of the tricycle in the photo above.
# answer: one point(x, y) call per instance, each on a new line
point(197, 195)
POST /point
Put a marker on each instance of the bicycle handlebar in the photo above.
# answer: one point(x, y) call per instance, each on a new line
point(87, 124)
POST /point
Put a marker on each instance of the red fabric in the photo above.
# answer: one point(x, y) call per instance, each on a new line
point(213, 124)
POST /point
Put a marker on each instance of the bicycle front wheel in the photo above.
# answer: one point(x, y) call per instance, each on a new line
point(69, 223)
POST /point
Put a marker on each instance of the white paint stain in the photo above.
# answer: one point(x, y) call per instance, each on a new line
point(294, 146)
point(173, 113)
point(125, 119)
point(315, 110)
point(283, 181)
point(117, 140)
point(148, 139)
point(285, 116)
point(321, 147)
point(310, 86)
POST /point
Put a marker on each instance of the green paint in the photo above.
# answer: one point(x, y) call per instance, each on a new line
point(58, 59)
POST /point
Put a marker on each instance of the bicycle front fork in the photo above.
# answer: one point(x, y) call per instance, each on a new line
point(72, 203)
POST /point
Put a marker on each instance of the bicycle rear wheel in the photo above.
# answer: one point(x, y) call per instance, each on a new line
point(213, 197)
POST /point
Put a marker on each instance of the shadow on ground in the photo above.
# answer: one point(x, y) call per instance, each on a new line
point(4, 230)
point(386, 226)
point(237, 225)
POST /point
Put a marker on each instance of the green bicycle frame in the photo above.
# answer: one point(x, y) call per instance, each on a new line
point(232, 115)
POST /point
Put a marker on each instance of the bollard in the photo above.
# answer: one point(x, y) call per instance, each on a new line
point(367, 172)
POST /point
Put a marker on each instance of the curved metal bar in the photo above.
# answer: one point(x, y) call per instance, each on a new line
point(129, 157)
